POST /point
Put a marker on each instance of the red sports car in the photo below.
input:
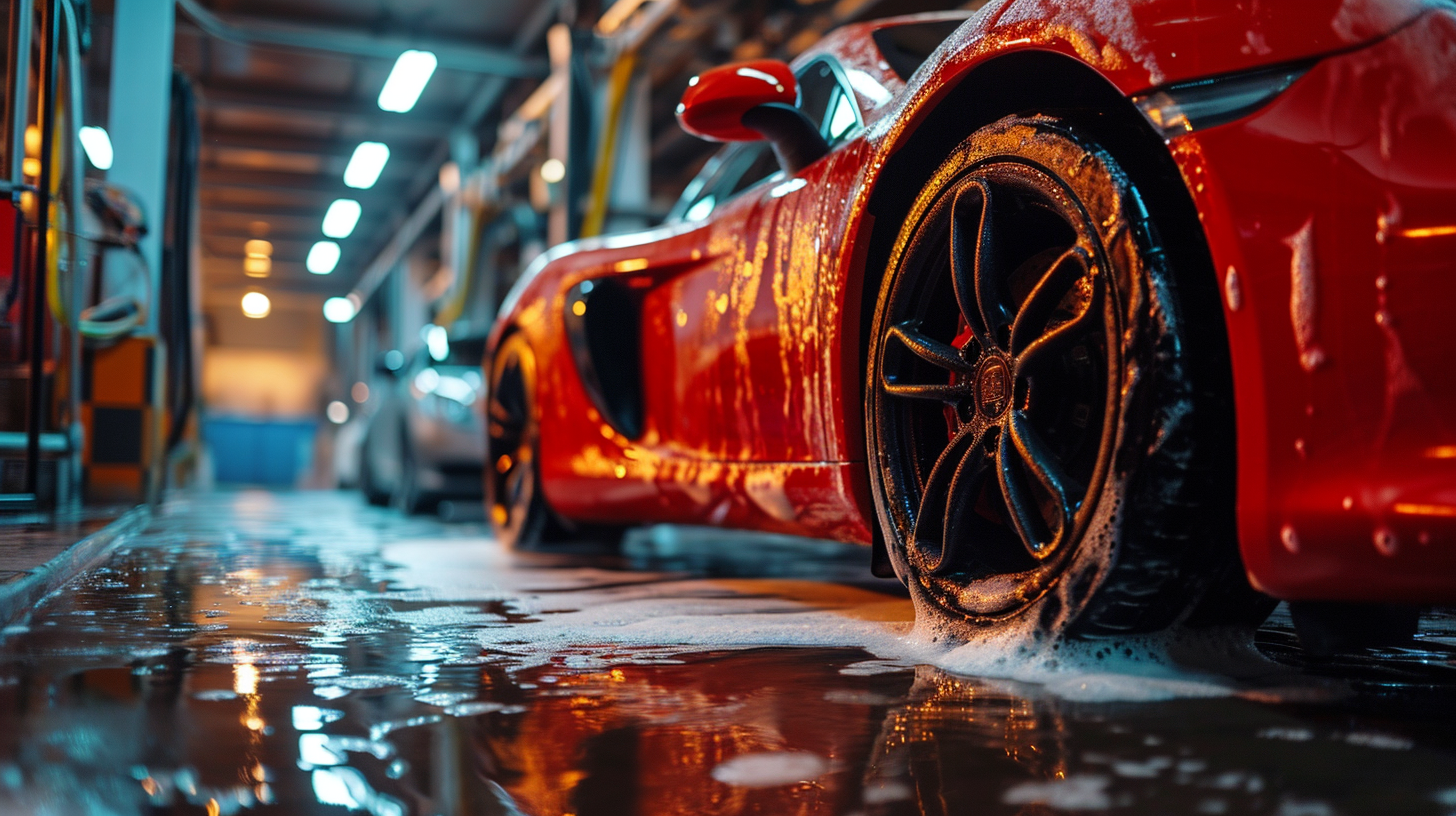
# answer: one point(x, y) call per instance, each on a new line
point(1091, 318)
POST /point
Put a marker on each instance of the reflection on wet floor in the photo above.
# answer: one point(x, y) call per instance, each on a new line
point(303, 654)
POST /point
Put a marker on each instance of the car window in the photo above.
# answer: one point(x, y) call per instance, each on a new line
point(827, 100)
point(732, 171)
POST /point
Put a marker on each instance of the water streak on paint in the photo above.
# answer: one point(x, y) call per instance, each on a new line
point(1303, 295)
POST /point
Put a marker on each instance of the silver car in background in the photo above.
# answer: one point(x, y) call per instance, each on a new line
point(425, 442)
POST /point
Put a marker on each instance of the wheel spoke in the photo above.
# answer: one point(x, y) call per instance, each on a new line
point(942, 355)
point(960, 503)
point(1026, 446)
point(1031, 349)
point(947, 392)
point(1039, 306)
point(972, 258)
point(929, 533)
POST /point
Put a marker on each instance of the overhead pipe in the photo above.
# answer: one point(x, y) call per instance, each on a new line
point(352, 43)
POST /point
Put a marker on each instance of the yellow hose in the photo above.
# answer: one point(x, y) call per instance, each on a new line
point(465, 273)
point(596, 212)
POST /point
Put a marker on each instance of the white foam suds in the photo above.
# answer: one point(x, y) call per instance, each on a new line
point(771, 769)
point(1076, 792)
point(585, 618)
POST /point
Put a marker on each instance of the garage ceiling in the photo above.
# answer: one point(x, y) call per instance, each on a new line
point(279, 122)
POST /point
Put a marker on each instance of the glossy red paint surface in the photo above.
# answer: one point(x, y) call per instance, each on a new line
point(750, 319)
point(1334, 209)
point(715, 101)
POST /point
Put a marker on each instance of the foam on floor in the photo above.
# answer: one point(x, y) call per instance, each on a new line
point(591, 618)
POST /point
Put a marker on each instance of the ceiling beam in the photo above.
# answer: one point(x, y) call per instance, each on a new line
point(310, 232)
point(292, 183)
point(354, 43)
point(285, 247)
point(231, 210)
point(295, 146)
point(313, 107)
point(224, 269)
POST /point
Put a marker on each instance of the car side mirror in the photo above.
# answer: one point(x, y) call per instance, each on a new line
point(749, 101)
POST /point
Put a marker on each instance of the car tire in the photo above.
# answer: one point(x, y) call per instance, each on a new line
point(409, 498)
point(516, 507)
point(1044, 446)
point(372, 494)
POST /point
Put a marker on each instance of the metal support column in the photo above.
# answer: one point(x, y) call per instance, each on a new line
point(141, 91)
point(141, 95)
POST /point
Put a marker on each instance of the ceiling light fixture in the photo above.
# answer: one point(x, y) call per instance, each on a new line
point(256, 304)
point(338, 310)
point(322, 257)
point(553, 170)
point(407, 79)
point(258, 263)
point(97, 145)
point(366, 164)
point(341, 217)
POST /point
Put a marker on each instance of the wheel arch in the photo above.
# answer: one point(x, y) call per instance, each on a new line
point(1038, 81)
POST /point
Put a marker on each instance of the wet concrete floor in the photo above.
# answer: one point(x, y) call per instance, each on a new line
point(302, 653)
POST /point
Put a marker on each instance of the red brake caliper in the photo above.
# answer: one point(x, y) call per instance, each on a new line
point(963, 336)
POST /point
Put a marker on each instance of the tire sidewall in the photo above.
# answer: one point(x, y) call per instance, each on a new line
point(529, 522)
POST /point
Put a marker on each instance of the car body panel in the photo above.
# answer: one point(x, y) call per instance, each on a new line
point(1334, 211)
point(751, 319)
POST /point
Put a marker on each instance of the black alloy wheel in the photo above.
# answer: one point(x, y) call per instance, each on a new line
point(516, 509)
point(1034, 425)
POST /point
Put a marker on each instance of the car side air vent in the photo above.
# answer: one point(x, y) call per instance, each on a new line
point(906, 47)
point(603, 327)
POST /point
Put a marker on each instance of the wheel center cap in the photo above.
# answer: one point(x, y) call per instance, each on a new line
point(993, 387)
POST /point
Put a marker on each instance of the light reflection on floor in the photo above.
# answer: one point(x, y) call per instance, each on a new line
point(303, 653)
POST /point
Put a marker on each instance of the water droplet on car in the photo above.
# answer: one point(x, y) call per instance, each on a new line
point(1232, 291)
point(1289, 538)
point(1385, 541)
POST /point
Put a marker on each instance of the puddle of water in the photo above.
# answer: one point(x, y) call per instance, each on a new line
point(301, 654)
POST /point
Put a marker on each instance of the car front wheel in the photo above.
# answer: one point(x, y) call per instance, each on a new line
point(1038, 433)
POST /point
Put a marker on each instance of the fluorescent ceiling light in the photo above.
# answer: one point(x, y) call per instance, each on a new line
point(97, 146)
point(366, 164)
point(411, 71)
point(256, 304)
point(339, 310)
point(339, 221)
point(437, 340)
point(323, 257)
